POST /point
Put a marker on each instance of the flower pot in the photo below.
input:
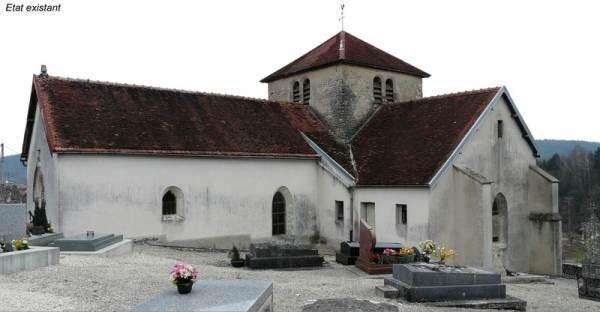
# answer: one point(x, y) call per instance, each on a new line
point(184, 287)
point(237, 263)
point(38, 230)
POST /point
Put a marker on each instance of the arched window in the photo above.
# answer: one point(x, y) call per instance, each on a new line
point(169, 204)
point(278, 214)
point(377, 90)
point(296, 92)
point(389, 90)
point(499, 219)
point(306, 92)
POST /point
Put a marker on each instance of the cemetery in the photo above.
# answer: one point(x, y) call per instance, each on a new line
point(271, 275)
point(139, 281)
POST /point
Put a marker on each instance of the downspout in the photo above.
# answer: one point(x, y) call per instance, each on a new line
point(351, 191)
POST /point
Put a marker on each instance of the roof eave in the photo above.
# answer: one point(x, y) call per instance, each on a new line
point(95, 151)
point(274, 76)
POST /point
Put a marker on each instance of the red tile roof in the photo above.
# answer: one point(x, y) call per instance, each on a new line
point(407, 143)
point(84, 116)
point(402, 144)
point(344, 48)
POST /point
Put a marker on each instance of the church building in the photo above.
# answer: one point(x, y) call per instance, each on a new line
point(345, 135)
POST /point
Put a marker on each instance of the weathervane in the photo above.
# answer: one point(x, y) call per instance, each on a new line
point(342, 17)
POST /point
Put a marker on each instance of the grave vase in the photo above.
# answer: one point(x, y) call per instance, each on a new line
point(184, 287)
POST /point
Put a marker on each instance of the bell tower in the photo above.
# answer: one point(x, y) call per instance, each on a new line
point(344, 80)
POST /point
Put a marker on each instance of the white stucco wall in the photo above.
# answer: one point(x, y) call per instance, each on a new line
point(385, 199)
point(505, 162)
point(40, 156)
point(222, 196)
point(331, 189)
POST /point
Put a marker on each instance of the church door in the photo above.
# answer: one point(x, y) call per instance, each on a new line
point(278, 214)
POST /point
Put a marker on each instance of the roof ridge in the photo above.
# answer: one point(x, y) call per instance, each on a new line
point(451, 94)
point(128, 85)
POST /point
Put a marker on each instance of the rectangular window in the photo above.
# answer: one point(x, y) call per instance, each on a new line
point(368, 213)
point(339, 210)
point(500, 128)
point(401, 214)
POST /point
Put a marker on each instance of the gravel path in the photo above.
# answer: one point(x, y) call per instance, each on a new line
point(117, 284)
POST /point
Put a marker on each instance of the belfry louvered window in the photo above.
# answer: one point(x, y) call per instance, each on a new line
point(389, 90)
point(377, 90)
point(296, 92)
point(306, 92)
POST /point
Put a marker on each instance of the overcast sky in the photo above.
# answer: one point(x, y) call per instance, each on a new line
point(547, 53)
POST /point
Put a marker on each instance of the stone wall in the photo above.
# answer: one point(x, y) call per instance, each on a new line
point(342, 95)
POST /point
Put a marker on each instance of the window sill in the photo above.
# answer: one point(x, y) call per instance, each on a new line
point(172, 218)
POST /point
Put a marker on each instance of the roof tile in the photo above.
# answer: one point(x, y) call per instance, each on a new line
point(347, 49)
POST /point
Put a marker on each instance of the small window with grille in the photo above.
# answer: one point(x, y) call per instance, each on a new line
point(339, 210)
point(401, 214)
point(500, 128)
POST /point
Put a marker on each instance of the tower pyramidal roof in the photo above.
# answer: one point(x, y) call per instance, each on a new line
point(344, 48)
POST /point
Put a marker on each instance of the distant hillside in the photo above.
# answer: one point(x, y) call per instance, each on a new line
point(14, 171)
point(547, 148)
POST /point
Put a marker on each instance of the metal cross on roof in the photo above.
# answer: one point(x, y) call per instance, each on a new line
point(342, 17)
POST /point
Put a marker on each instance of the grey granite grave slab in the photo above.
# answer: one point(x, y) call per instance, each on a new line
point(424, 282)
point(508, 303)
point(84, 242)
point(347, 305)
point(446, 293)
point(13, 220)
point(44, 239)
point(425, 274)
point(214, 295)
point(274, 255)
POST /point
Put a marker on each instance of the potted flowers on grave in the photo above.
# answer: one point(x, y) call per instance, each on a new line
point(444, 254)
point(184, 275)
point(428, 247)
point(20, 244)
point(236, 261)
point(403, 255)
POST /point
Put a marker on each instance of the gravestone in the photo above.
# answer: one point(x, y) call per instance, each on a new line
point(277, 255)
point(368, 244)
point(86, 242)
point(348, 254)
point(214, 295)
point(589, 280)
point(454, 286)
point(13, 220)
